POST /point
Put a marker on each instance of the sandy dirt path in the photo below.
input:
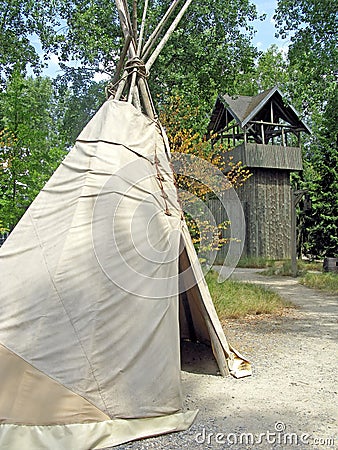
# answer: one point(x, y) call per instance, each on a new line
point(290, 402)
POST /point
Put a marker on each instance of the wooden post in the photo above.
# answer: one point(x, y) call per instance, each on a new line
point(121, 85)
point(123, 55)
point(146, 98)
point(293, 236)
point(125, 24)
point(145, 95)
point(138, 85)
point(296, 197)
point(271, 111)
point(132, 86)
point(283, 137)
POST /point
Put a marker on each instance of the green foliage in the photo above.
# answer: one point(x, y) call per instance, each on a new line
point(272, 69)
point(208, 54)
point(313, 62)
point(313, 28)
point(30, 147)
point(19, 20)
point(320, 225)
point(233, 299)
point(196, 181)
point(78, 98)
point(210, 50)
point(324, 281)
point(3, 229)
point(90, 33)
point(313, 53)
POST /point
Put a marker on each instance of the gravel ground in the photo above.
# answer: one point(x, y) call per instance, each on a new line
point(290, 401)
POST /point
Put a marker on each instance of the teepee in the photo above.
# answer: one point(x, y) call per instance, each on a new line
point(93, 282)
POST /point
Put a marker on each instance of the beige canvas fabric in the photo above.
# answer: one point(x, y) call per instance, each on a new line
point(89, 288)
point(32, 397)
point(96, 435)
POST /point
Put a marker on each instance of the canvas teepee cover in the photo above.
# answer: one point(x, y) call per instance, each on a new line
point(91, 281)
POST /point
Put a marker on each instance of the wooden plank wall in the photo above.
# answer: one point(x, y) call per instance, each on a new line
point(268, 156)
point(266, 201)
point(220, 214)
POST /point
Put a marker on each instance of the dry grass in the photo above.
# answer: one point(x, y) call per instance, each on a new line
point(325, 281)
point(234, 299)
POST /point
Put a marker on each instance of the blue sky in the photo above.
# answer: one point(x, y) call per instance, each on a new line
point(265, 35)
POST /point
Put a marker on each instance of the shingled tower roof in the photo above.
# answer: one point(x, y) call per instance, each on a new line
point(245, 108)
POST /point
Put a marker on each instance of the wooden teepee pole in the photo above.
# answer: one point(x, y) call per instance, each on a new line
point(133, 93)
point(126, 26)
point(142, 85)
point(127, 29)
point(167, 35)
point(138, 83)
point(154, 35)
point(143, 23)
point(134, 21)
point(120, 63)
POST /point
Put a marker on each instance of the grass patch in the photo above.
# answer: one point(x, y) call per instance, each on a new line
point(283, 268)
point(325, 281)
point(234, 299)
point(255, 262)
point(310, 265)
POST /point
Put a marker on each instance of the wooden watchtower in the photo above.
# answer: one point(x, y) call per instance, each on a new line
point(264, 131)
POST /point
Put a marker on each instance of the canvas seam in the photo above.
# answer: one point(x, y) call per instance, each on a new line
point(96, 141)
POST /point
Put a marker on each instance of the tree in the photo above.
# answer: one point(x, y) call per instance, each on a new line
point(313, 53)
point(209, 50)
point(195, 179)
point(269, 69)
point(313, 62)
point(19, 20)
point(78, 97)
point(272, 70)
point(30, 147)
point(320, 227)
point(208, 54)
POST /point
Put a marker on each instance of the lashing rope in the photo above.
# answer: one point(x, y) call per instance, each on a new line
point(132, 65)
point(136, 64)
